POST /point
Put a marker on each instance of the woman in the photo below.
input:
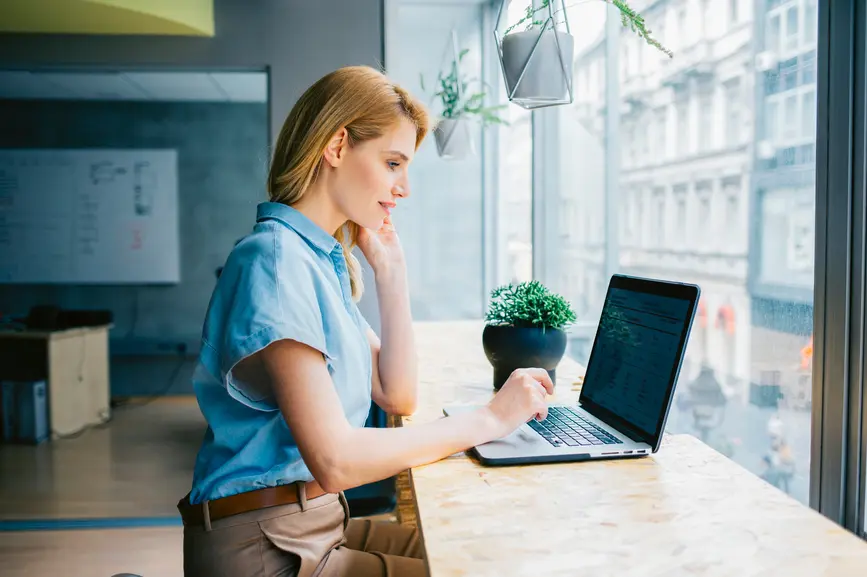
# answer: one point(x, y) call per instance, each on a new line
point(289, 367)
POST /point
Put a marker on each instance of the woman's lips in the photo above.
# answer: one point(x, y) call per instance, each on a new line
point(387, 206)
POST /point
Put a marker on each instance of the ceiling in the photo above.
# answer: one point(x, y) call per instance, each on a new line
point(135, 85)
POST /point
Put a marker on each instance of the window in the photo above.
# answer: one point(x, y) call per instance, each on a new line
point(810, 21)
point(680, 219)
point(629, 145)
point(790, 40)
point(705, 234)
point(682, 108)
point(771, 120)
point(735, 242)
point(581, 129)
point(644, 155)
point(808, 113)
point(772, 34)
point(639, 219)
point(690, 218)
point(706, 121)
point(790, 112)
point(732, 91)
point(660, 141)
point(731, 214)
point(516, 196)
point(636, 216)
point(624, 63)
point(442, 224)
point(682, 28)
point(659, 223)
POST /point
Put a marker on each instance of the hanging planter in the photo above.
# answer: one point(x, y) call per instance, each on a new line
point(453, 138)
point(536, 55)
point(536, 52)
point(536, 67)
point(452, 133)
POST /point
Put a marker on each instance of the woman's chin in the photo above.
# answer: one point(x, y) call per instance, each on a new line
point(372, 223)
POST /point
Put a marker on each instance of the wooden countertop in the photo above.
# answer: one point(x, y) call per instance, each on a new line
point(686, 510)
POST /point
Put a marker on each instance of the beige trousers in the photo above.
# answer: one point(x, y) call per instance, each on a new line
point(314, 538)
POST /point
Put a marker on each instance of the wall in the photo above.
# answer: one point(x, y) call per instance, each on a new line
point(222, 161)
point(296, 41)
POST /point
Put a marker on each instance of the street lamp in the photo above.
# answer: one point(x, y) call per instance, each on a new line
point(707, 400)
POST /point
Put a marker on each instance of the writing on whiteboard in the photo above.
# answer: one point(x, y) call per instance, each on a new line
point(89, 216)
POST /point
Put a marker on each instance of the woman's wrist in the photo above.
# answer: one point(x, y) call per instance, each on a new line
point(390, 276)
point(491, 427)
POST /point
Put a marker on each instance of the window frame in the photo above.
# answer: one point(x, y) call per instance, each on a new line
point(838, 435)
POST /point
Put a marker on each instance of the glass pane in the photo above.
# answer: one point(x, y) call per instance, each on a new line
point(516, 196)
point(718, 165)
point(441, 223)
point(580, 242)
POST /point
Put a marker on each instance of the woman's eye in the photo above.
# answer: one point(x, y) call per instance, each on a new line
point(393, 165)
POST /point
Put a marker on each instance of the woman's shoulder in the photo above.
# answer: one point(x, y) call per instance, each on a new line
point(270, 281)
point(279, 244)
point(274, 251)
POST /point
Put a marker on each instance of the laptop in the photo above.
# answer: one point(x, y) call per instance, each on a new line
point(628, 386)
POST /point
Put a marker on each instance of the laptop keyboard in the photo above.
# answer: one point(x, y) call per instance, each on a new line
point(566, 427)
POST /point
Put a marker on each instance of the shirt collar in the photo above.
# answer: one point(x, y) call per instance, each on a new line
point(298, 222)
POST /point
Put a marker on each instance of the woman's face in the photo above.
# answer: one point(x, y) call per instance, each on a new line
point(369, 178)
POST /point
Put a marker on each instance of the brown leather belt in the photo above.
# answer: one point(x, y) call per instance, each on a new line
point(246, 502)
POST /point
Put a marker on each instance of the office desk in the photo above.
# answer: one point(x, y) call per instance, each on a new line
point(686, 510)
point(74, 364)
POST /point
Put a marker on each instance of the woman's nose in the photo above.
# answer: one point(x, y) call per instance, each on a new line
point(401, 189)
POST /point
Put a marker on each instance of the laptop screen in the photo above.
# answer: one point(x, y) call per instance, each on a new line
point(637, 352)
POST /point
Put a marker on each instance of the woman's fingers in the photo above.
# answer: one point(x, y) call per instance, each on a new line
point(542, 377)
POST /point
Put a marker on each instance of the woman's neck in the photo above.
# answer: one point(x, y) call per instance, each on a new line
point(317, 205)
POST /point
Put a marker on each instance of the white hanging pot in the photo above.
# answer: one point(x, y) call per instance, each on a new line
point(537, 67)
point(453, 138)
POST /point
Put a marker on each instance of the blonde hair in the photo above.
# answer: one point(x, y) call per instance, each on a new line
point(358, 98)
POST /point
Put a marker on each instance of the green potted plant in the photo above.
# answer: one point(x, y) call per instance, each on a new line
point(536, 52)
point(524, 327)
point(459, 106)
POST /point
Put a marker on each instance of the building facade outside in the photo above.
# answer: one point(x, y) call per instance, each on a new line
point(715, 186)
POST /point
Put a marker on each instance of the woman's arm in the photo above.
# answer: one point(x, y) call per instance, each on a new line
point(341, 456)
point(395, 373)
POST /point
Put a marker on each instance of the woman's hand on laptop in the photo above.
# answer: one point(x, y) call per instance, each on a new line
point(522, 398)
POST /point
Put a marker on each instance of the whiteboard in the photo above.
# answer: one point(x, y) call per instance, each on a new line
point(89, 216)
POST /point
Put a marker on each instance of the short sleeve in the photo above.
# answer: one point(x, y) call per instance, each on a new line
point(275, 298)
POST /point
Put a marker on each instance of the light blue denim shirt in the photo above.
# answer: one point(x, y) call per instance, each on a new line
point(286, 280)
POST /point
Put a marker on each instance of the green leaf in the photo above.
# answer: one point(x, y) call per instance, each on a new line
point(529, 304)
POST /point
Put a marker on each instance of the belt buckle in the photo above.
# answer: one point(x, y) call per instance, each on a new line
point(301, 488)
point(206, 514)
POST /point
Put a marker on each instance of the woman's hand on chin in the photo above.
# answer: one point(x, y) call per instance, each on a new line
point(382, 249)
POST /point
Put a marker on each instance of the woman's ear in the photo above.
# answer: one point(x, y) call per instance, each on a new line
point(336, 149)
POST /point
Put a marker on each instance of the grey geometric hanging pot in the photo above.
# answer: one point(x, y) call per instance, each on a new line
point(453, 138)
point(536, 55)
point(452, 133)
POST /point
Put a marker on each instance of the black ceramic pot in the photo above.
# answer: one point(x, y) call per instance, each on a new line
point(510, 348)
